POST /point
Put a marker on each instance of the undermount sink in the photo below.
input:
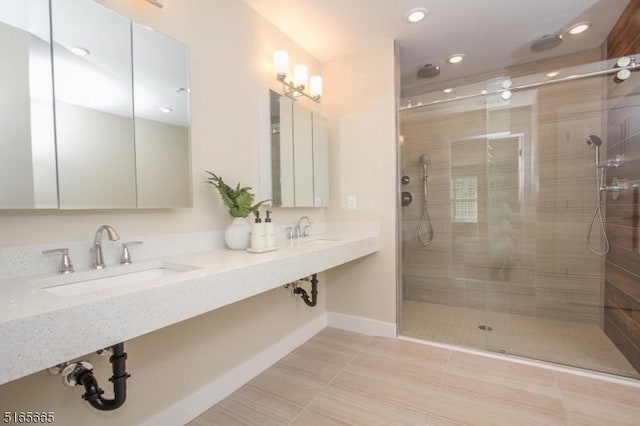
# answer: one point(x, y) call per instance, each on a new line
point(324, 238)
point(316, 239)
point(88, 282)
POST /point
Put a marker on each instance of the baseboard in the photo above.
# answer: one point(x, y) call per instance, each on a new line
point(193, 405)
point(361, 325)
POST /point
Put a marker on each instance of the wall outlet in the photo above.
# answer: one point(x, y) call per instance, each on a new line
point(351, 202)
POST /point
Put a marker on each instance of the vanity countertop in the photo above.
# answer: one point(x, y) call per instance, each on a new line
point(39, 329)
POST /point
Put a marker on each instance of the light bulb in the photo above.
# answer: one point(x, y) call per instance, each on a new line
point(457, 58)
point(281, 64)
point(300, 76)
point(315, 86)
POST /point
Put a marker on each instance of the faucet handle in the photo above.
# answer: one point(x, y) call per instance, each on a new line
point(66, 266)
point(126, 255)
point(305, 231)
point(290, 232)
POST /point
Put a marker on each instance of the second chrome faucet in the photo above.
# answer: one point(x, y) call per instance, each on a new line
point(300, 231)
point(98, 260)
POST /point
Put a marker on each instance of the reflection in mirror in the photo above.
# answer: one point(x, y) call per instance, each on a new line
point(282, 171)
point(94, 111)
point(27, 147)
point(274, 163)
point(320, 161)
point(302, 156)
point(161, 104)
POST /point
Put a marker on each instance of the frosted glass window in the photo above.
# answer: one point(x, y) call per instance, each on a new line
point(465, 199)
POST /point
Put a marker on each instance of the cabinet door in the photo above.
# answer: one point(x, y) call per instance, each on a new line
point(93, 106)
point(303, 156)
point(27, 144)
point(285, 176)
point(161, 105)
point(320, 161)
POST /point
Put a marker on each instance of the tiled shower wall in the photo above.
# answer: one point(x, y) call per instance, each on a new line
point(525, 251)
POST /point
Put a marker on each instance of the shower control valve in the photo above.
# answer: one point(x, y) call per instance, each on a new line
point(615, 162)
point(616, 186)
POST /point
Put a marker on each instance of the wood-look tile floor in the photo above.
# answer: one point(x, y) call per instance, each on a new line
point(343, 378)
point(562, 342)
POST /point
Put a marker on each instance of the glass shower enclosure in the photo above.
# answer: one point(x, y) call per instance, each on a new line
point(508, 251)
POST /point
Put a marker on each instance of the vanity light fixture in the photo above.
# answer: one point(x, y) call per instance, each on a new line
point(301, 80)
point(455, 59)
point(579, 28)
point(416, 15)
point(156, 3)
point(79, 51)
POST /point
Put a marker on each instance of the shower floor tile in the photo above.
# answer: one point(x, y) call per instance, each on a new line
point(563, 342)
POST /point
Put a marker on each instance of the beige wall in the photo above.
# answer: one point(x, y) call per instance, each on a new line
point(362, 157)
point(231, 50)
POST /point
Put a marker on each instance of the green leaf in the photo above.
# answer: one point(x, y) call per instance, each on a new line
point(238, 201)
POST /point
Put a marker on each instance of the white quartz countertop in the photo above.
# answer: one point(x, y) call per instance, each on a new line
point(39, 329)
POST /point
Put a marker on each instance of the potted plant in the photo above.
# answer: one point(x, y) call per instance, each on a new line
point(239, 201)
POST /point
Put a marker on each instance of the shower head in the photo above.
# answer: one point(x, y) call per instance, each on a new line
point(594, 141)
point(425, 159)
point(428, 71)
point(546, 42)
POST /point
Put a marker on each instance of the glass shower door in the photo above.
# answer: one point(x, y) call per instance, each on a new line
point(512, 191)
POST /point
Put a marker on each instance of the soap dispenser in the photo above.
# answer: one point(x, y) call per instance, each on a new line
point(257, 233)
point(269, 231)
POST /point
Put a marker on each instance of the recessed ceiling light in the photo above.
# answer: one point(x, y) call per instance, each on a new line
point(416, 15)
point(553, 73)
point(166, 110)
point(448, 90)
point(454, 59)
point(579, 28)
point(80, 51)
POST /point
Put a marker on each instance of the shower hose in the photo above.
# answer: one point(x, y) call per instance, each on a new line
point(597, 213)
point(426, 220)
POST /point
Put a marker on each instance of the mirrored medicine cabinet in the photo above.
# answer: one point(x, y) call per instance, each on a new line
point(298, 155)
point(95, 111)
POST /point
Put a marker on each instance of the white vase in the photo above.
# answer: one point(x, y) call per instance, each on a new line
point(237, 235)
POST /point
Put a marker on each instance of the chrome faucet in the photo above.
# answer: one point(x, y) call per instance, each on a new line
point(303, 232)
point(98, 261)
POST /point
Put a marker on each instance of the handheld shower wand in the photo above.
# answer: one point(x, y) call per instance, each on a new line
point(596, 142)
point(425, 159)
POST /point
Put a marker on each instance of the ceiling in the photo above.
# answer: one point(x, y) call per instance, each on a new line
point(492, 34)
